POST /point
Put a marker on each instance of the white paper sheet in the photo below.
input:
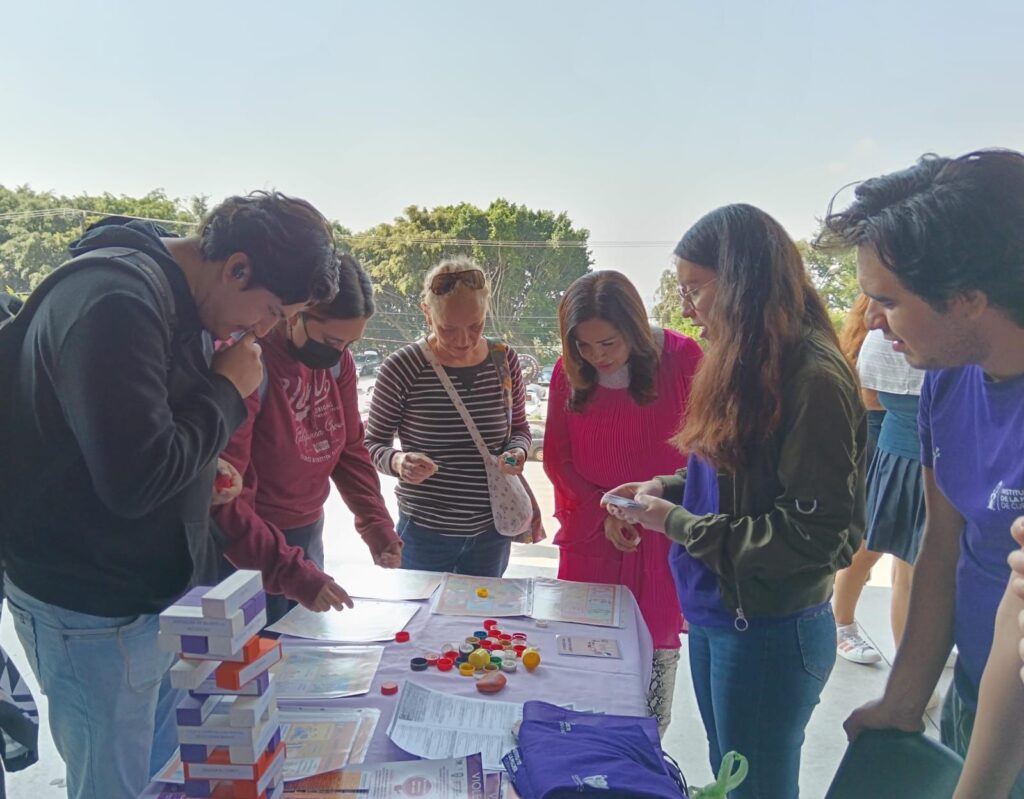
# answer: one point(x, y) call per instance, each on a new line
point(433, 724)
point(459, 597)
point(374, 582)
point(308, 672)
point(452, 778)
point(577, 603)
point(370, 620)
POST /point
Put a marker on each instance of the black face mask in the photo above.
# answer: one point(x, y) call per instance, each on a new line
point(314, 354)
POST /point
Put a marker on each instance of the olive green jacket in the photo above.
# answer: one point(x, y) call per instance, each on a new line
point(794, 515)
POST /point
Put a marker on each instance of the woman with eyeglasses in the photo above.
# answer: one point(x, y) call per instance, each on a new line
point(768, 507)
point(617, 394)
point(302, 432)
point(445, 519)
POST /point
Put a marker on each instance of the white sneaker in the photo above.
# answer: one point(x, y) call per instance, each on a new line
point(851, 645)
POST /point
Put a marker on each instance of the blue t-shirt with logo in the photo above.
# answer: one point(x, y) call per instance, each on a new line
point(972, 436)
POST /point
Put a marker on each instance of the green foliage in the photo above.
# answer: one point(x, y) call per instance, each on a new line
point(668, 309)
point(834, 276)
point(527, 279)
point(37, 227)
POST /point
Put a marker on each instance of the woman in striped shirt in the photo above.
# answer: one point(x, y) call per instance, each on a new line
point(445, 515)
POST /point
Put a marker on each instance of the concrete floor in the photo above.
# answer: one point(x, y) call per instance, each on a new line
point(849, 686)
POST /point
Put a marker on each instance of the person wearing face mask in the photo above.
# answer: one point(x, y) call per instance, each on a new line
point(617, 393)
point(303, 430)
point(445, 519)
point(770, 503)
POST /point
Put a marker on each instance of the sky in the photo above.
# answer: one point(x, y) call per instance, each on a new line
point(635, 118)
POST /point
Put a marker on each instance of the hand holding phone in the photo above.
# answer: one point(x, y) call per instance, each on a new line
point(622, 502)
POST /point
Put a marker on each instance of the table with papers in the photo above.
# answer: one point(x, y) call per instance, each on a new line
point(609, 684)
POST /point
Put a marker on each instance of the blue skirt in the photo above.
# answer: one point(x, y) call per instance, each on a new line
point(895, 505)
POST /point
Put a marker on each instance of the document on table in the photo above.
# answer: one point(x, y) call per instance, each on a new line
point(585, 646)
point(370, 620)
point(452, 778)
point(539, 598)
point(460, 595)
point(433, 724)
point(374, 582)
point(310, 671)
point(577, 603)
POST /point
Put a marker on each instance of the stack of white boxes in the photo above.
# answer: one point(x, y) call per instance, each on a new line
point(228, 727)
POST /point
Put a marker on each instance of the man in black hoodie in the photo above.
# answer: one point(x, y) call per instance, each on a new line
point(119, 413)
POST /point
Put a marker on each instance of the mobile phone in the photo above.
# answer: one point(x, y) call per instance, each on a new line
point(622, 502)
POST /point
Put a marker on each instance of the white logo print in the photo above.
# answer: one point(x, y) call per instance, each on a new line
point(1003, 498)
point(597, 781)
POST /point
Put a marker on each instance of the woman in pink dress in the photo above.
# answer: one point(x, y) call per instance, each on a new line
point(617, 395)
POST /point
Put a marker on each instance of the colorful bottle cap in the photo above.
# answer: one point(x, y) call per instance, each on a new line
point(451, 653)
point(508, 666)
point(490, 667)
point(482, 592)
point(466, 648)
point(496, 659)
point(402, 636)
point(480, 658)
point(493, 632)
point(488, 623)
point(531, 659)
point(445, 664)
point(467, 669)
point(432, 658)
point(418, 664)
point(494, 640)
point(504, 637)
point(519, 649)
point(389, 688)
point(480, 635)
point(474, 639)
point(518, 636)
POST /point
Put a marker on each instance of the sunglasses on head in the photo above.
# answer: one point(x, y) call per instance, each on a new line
point(444, 283)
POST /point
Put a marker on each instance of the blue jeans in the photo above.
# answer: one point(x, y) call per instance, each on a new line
point(483, 555)
point(756, 691)
point(102, 678)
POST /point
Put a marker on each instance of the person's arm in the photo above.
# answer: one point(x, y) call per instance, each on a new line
point(996, 753)
point(112, 385)
point(354, 475)
point(521, 437)
point(559, 464)
point(386, 411)
point(809, 521)
point(929, 632)
point(252, 542)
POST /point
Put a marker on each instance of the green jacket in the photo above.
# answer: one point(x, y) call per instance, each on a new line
point(793, 516)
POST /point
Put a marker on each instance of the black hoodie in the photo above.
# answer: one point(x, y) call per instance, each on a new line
point(124, 529)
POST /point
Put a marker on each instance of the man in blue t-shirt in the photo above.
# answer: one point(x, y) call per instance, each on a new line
point(940, 253)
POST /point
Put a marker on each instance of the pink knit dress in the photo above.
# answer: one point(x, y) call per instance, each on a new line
point(614, 441)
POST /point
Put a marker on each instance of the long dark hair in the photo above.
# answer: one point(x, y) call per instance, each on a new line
point(609, 296)
point(764, 303)
point(944, 227)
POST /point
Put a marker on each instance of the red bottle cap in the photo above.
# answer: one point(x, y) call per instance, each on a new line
point(450, 654)
point(402, 636)
point(445, 664)
point(488, 623)
point(389, 688)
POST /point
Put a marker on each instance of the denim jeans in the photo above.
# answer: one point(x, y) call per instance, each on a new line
point(756, 691)
point(483, 555)
point(102, 678)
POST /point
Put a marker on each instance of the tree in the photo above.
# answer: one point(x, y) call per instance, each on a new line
point(668, 307)
point(527, 277)
point(834, 275)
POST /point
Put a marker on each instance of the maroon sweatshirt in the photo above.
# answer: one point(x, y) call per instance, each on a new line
point(305, 432)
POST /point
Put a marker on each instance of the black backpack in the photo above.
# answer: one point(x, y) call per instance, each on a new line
point(12, 335)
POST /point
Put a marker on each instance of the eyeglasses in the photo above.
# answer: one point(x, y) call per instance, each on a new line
point(689, 297)
point(444, 283)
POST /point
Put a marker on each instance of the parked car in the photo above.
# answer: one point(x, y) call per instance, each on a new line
point(544, 381)
point(367, 362)
point(533, 399)
point(536, 452)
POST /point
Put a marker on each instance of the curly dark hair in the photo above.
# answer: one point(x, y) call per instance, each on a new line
point(289, 243)
point(944, 227)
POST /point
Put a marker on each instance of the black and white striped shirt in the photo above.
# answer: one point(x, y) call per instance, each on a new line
point(410, 402)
